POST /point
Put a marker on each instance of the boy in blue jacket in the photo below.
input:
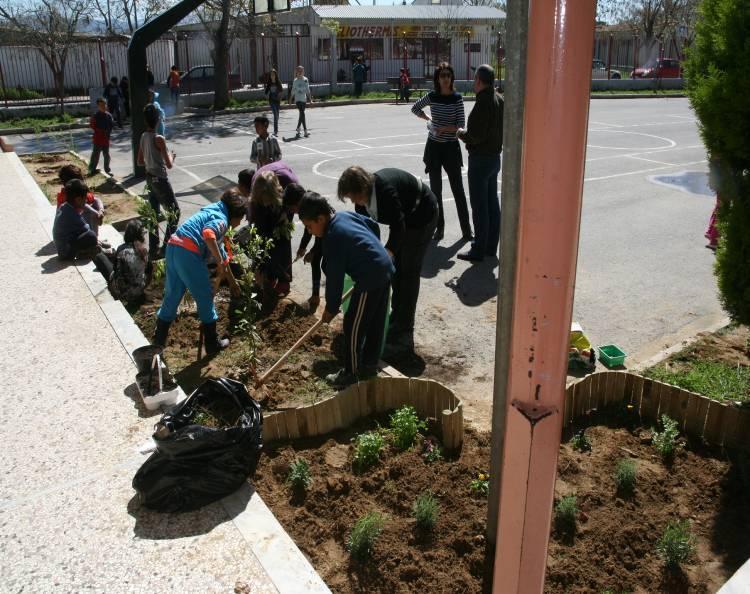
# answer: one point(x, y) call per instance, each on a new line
point(72, 235)
point(351, 245)
point(187, 250)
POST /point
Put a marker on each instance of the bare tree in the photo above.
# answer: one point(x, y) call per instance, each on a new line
point(50, 26)
point(125, 16)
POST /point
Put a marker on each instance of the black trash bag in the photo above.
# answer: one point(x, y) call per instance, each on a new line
point(195, 465)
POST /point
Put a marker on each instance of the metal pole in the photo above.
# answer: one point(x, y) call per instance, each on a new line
point(468, 55)
point(405, 51)
point(559, 40)
point(102, 64)
point(635, 52)
point(263, 55)
point(609, 56)
point(296, 34)
point(187, 60)
point(2, 82)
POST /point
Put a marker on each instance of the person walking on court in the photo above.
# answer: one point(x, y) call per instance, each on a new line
point(274, 90)
point(113, 95)
point(442, 150)
point(300, 93)
point(484, 142)
point(396, 198)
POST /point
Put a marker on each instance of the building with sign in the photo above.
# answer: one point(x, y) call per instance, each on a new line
point(416, 36)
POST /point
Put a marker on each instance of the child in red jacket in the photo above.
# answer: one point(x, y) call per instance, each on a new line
point(93, 209)
point(102, 123)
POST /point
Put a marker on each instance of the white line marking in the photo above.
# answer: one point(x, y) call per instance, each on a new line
point(317, 151)
point(639, 172)
point(216, 163)
point(649, 160)
point(190, 173)
point(670, 143)
point(359, 144)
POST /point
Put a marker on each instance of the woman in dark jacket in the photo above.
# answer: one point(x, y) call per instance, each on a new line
point(442, 150)
point(274, 90)
point(396, 198)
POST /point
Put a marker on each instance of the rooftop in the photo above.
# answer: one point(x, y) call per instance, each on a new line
point(411, 12)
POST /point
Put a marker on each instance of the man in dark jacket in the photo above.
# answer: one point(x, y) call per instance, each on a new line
point(484, 142)
point(359, 75)
point(396, 198)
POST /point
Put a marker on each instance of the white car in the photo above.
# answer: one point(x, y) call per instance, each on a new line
point(599, 70)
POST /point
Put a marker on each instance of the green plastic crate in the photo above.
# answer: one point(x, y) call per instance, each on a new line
point(611, 355)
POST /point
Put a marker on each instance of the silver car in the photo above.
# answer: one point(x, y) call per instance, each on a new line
point(599, 70)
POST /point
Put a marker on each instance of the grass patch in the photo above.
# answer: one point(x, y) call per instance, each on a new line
point(716, 380)
point(566, 512)
point(639, 92)
point(676, 544)
point(19, 94)
point(38, 122)
point(626, 476)
point(426, 511)
point(364, 535)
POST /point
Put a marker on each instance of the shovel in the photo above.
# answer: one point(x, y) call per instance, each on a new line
point(264, 378)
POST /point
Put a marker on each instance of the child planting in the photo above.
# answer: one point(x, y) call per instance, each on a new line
point(101, 123)
point(293, 194)
point(351, 245)
point(265, 148)
point(93, 209)
point(201, 235)
point(153, 154)
point(72, 235)
point(125, 272)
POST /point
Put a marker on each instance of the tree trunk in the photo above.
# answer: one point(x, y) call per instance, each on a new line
point(221, 58)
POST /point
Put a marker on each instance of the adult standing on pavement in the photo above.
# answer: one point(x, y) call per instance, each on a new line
point(173, 80)
point(396, 198)
point(125, 90)
point(442, 150)
point(359, 75)
point(300, 93)
point(484, 142)
point(274, 89)
point(113, 95)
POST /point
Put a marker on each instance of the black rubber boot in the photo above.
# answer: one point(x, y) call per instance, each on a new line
point(161, 332)
point(213, 343)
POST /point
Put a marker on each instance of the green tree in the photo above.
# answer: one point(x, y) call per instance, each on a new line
point(718, 87)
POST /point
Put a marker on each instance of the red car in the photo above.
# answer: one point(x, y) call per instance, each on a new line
point(664, 68)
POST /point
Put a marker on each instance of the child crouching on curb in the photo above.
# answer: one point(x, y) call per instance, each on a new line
point(351, 245)
point(125, 270)
point(93, 209)
point(72, 235)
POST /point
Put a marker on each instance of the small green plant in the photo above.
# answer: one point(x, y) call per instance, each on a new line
point(431, 451)
point(676, 544)
point(405, 425)
point(626, 476)
point(481, 484)
point(367, 449)
point(299, 475)
point(159, 271)
point(364, 535)
point(566, 512)
point(426, 511)
point(580, 442)
point(147, 214)
point(665, 441)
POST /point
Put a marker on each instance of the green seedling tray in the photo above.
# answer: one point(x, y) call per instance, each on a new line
point(611, 355)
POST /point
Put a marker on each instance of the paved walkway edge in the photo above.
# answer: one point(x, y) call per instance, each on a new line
point(288, 569)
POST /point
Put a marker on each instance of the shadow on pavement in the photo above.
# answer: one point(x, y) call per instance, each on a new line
point(132, 392)
point(47, 250)
point(439, 258)
point(477, 284)
point(54, 264)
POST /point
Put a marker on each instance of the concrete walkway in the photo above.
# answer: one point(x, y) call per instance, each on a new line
point(75, 433)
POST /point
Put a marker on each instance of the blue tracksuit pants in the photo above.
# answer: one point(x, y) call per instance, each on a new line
point(187, 270)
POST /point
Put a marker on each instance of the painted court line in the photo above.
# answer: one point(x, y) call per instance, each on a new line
point(649, 160)
point(641, 171)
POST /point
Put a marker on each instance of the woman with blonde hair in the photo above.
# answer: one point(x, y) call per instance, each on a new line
point(272, 222)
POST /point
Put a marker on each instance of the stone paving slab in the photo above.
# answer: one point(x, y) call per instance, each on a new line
point(76, 432)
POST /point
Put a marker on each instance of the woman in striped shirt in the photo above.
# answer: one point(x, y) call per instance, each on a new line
point(443, 150)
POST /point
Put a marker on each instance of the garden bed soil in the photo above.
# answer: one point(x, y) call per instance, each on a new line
point(300, 381)
point(614, 547)
point(44, 168)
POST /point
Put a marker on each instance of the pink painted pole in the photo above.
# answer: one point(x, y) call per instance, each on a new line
point(552, 166)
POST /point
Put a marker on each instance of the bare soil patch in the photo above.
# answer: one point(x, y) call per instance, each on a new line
point(44, 168)
point(614, 547)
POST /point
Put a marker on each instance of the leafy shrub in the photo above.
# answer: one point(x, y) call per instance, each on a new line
point(566, 512)
point(426, 511)
point(431, 451)
point(626, 476)
point(665, 441)
point(364, 535)
point(147, 214)
point(580, 442)
point(299, 475)
point(159, 271)
point(405, 426)
point(367, 449)
point(676, 544)
point(481, 484)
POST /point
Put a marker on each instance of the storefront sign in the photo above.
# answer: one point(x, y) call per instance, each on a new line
point(364, 31)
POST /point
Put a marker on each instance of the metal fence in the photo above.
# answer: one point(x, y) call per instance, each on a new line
point(626, 52)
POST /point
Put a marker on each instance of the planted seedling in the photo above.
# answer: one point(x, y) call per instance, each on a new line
point(626, 476)
point(566, 512)
point(580, 442)
point(147, 214)
point(367, 449)
point(159, 271)
point(676, 544)
point(665, 441)
point(426, 511)
point(405, 426)
point(206, 419)
point(364, 535)
point(431, 451)
point(299, 475)
point(481, 484)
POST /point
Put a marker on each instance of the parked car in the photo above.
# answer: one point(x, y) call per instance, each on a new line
point(599, 70)
point(201, 79)
point(664, 68)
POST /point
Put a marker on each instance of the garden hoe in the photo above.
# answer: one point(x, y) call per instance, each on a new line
point(264, 378)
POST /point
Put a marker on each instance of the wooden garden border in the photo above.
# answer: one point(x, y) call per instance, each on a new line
point(428, 397)
point(715, 422)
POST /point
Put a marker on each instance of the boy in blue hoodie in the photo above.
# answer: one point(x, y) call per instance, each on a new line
point(351, 245)
point(72, 235)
